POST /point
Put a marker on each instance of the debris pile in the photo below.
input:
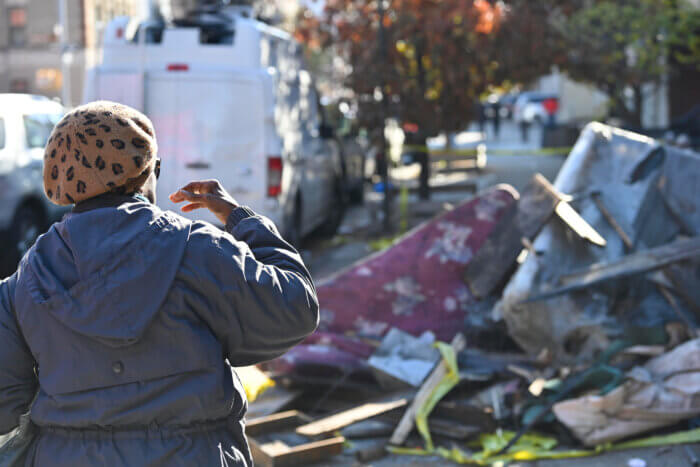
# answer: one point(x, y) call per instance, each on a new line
point(559, 322)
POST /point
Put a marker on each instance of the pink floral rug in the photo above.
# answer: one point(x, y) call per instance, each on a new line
point(415, 285)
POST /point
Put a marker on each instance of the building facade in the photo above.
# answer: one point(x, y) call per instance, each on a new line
point(37, 57)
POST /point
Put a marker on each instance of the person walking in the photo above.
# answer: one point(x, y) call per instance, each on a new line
point(551, 106)
point(496, 118)
point(120, 323)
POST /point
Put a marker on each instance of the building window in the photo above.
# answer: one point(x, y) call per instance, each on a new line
point(18, 26)
point(19, 85)
point(48, 80)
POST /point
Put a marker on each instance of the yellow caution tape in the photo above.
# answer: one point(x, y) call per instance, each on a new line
point(553, 151)
point(448, 382)
point(531, 446)
point(535, 447)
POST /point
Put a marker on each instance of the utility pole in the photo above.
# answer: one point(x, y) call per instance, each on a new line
point(384, 167)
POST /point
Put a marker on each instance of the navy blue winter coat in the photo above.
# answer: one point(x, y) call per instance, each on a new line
point(120, 320)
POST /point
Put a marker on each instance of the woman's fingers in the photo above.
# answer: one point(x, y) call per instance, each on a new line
point(191, 207)
point(185, 195)
point(206, 194)
point(201, 187)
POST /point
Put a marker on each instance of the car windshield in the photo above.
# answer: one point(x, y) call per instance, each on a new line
point(38, 128)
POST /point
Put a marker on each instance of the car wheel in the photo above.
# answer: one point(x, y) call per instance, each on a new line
point(293, 226)
point(357, 194)
point(27, 225)
point(336, 214)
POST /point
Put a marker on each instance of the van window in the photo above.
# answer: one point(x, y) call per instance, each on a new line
point(38, 127)
point(2, 133)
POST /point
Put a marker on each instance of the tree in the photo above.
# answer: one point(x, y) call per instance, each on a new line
point(440, 54)
point(437, 56)
point(619, 46)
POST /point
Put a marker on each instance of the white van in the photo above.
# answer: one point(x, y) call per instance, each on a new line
point(229, 99)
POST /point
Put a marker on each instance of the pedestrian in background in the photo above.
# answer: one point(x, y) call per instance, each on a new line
point(118, 321)
point(480, 110)
point(551, 106)
point(524, 130)
point(496, 118)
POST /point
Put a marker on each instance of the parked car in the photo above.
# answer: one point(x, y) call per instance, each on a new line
point(26, 122)
point(230, 99)
point(528, 107)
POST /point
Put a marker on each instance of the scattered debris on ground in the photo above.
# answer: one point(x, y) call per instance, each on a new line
point(556, 323)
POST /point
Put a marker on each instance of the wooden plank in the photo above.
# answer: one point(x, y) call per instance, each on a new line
point(524, 219)
point(356, 414)
point(406, 424)
point(277, 453)
point(276, 422)
point(578, 224)
point(611, 220)
point(309, 453)
point(260, 457)
point(630, 265)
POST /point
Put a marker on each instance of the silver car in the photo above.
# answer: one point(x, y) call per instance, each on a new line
point(26, 122)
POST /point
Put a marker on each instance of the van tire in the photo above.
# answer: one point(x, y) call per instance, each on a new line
point(357, 194)
point(293, 226)
point(337, 212)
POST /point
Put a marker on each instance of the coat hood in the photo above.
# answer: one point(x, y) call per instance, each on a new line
point(105, 270)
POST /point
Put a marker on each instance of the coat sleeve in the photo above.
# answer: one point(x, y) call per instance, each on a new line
point(18, 382)
point(250, 286)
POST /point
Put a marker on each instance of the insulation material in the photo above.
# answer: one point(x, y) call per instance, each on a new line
point(664, 391)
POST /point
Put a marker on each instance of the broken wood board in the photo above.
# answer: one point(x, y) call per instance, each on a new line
point(278, 454)
point(524, 219)
point(406, 424)
point(356, 414)
point(597, 199)
point(276, 422)
point(630, 265)
point(578, 224)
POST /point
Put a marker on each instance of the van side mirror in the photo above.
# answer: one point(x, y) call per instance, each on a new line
point(326, 131)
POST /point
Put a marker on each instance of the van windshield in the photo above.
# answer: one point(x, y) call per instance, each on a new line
point(38, 127)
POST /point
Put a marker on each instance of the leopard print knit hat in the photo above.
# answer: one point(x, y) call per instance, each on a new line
point(97, 148)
